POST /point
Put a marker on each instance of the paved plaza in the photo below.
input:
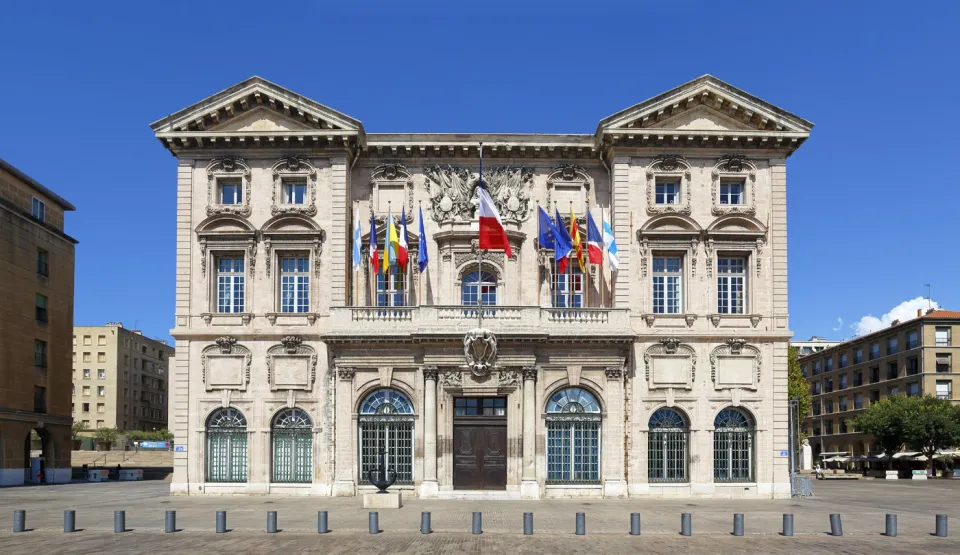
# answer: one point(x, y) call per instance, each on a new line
point(862, 505)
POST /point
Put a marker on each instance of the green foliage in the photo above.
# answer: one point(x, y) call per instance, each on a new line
point(155, 435)
point(932, 424)
point(886, 421)
point(107, 435)
point(78, 428)
point(798, 388)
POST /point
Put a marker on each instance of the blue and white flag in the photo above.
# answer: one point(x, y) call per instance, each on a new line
point(611, 244)
point(356, 242)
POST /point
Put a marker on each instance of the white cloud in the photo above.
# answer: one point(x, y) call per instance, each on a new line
point(839, 324)
point(903, 312)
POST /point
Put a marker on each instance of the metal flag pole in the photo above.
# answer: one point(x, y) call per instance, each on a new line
point(356, 269)
point(603, 256)
point(479, 252)
point(419, 246)
point(539, 250)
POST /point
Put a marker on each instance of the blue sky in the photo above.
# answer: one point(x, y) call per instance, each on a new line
point(873, 194)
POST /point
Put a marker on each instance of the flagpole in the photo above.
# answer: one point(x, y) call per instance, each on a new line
point(603, 252)
point(420, 245)
point(356, 268)
point(480, 252)
point(539, 247)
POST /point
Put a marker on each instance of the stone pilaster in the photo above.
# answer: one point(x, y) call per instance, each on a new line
point(345, 464)
point(429, 487)
point(529, 487)
point(614, 484)
point(622, 202)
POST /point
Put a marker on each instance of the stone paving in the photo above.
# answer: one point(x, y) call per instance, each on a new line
point(862, 505)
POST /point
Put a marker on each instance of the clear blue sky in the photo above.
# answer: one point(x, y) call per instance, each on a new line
point(873, 195)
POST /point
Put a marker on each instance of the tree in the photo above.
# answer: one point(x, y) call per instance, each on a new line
point(799, 389)
point(107, 435)
point(932, 424)
point(886, 420)
point(79, 426)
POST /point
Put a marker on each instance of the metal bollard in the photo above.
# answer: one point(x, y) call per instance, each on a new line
point(477, 522)
point(170, 522)
point(581, 524)
point(787, 524)
point(221, 522)
point(737, 524)
point(271, 522)
point(634, 524)
point(19, 521)
point(891, 527)
point(119, 522)
point(527, 524)
point(69, 521)
point(941, 526)
point(686, 524)
point(425, 522)
point(836, 527)
point(322, 527)
point(373, 522)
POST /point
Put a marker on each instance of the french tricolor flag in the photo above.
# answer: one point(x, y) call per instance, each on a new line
point(493, 236)
point(594, 241)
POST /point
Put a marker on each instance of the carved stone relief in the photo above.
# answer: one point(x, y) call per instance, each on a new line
point(451, 379)
point(734, 166)
point(225, 365)
point(735, 365)
point(509, 378)
point(570, 177)
point(228, 167)
point(670, 363)
point(669, 166)
point(453, 191)
point(294, 167)
point(395, 175)
point(291, 365)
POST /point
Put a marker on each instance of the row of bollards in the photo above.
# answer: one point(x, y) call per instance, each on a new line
point(580, 529)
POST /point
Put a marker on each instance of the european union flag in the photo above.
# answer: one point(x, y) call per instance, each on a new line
point(545, 230)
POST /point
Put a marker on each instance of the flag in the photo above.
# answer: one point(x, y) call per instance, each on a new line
point(493, 236)
point(544, 230)
point(611, 244)
point(561, 251)
point(356, 242)
point(594, 241)
point(374, 256)
point(391, 243)
point(422, 257)
point(402, 256)
point(575, 233)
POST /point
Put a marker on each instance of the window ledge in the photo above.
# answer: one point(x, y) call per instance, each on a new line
point(227, 319)
point(292, 318)
point(735, 320)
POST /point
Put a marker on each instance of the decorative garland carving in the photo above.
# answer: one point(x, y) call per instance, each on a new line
point(671, 346)
point(395, 174)
point(226, 346)
point(480, 350)
point(644, 251)
point(294, 166)
point(451, 379)
point(760, 244)
point(694, 250)
point(734, 165)
point(292, 345)
point(735, 347)
point(453, 191)
point(568, 175)
point(509, 378)
point(228, 167)
point(203, 256)
point(708, 249)
point(669, 165)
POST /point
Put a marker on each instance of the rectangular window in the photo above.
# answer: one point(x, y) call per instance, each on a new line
point(828, 426)
point(101, 374)
point(913, 389)
point(731, 192)
point(893, 391)
point(294, 192)
point(38, 209)
point(943, 362)
point(816, 368)
point(891, 345)
point(86, 357)
point(99, 424)
point(85, 407)
point(816, 428)
point(843, 403)
point(858, 401)
point(828, 406)
point(294, 284)
point(101, 408)
point(568, 288)
point(913, 366)
point(892, 370)
point(101, 357)
point(815, 389)
point(230, 191)
point(943, 337)
point(101, 340)
point(944, 389)
point(391, 289)
point(731, 276)
point(40, 353)
point(843, 381)
point(875, 374)
point(804, 370)
point(913, 340)
point(39, 399)
point(874, 351)
point(828, 385)
point(41, 308)
point(858, 378)
point(101, 391)
point(86, 340)
point(843, 360)
point(86, 391)
point(86, 373)
point(43, 263)
point(843, 426)
point(816, 408)
point(858, 356)
point(667, 285)
point(874, 396)
point(828, 364)
point(668, 193)
point(230, 284)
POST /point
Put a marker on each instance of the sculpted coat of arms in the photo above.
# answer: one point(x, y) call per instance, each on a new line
point(480, 349)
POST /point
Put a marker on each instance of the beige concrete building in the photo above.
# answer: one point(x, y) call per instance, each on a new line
point(119, 378)
point(915, 357)
point(36, 315)
point(813, 345)
point(294, 370)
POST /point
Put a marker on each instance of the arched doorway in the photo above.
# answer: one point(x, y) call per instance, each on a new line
point(39, 455)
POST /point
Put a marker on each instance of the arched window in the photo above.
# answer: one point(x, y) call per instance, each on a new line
point(479, 288)
point(733, 436)
point(227, 446)
point(386, 422)
point(568, 287)
point(573, 437)
point(292, 435)
point(667, 447)
point(392, 287)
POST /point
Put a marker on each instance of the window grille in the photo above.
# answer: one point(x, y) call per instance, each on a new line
point(227, 446)
point(386, 422)
point(667, 447)
point(573, 437)
point(733, 446)
point(292, 436)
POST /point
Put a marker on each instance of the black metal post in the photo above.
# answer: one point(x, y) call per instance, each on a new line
point(634, 524)
point(19, 520)
point(581, 524)
point(322, 525)
point(477, 522)
point(119, 522)
point(170, 522)
point(891, 526)
point(425, 522)
point(686, 524)
point(737, 524)
point(836, 526)
point(69, 521)
point(787, 524)
point(527, 524)
point(221, 522)
point(271, 522)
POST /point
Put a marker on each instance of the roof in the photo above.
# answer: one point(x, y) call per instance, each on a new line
point(943, 314)
point(934, 315)
point(62, 202)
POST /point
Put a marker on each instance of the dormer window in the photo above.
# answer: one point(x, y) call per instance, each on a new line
point(294, 192)
point(731, 192)
point(38, 209)
point(230, 191)
point(668, 192)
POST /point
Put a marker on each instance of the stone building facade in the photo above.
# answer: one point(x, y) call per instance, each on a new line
point(295, 369)
point(36, 318)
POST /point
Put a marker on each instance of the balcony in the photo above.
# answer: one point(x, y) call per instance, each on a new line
point(372, 321)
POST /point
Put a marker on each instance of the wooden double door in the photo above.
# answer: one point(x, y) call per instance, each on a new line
point(480, 443)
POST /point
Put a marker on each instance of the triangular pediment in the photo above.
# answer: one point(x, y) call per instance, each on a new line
point(705, 104)
point(257, 105)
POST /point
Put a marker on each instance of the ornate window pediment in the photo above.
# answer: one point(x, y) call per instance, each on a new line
point(664, 170)
point(567, 185)
point(738, 176)
point(453, 191)
point(221, 171)
point(392, 187)
point(293, 232)
point(291, 365)
point(735, 365)
point(225, 365)
point(290, 172)
point(670, 363)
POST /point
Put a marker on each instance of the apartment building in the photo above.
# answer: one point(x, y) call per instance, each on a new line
point(813, 345)
point(36, 315)
point(119, 378)
point(915, 357)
